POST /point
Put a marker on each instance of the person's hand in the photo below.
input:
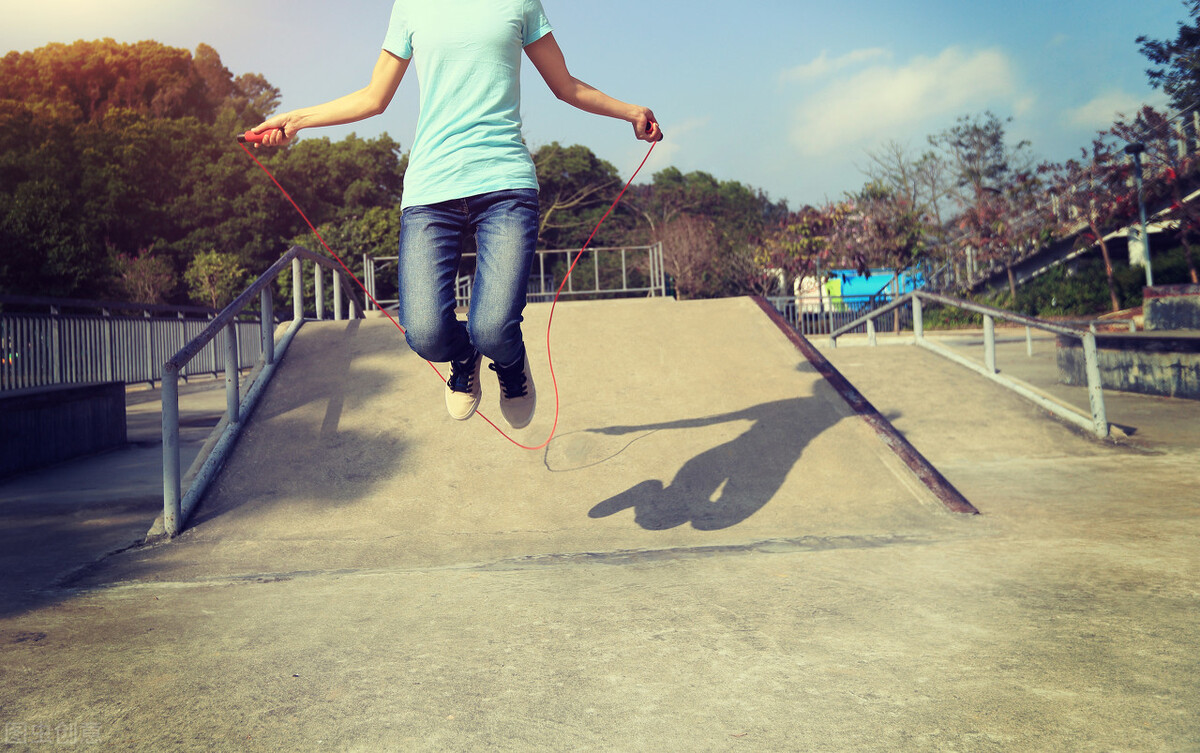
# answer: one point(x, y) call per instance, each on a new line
point(279, 130)
point(645, 125)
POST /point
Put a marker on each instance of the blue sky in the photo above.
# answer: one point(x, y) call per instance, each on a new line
point(782, 95)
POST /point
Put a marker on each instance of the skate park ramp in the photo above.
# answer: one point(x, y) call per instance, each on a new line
point(685, 427)
point(714, 553)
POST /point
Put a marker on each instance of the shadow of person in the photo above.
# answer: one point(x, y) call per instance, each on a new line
point(725, 485)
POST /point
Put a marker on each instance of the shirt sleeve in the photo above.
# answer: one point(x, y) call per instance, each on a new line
point(535, 25)
point(398, 40)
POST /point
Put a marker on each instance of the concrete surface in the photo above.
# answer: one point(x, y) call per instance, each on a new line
point(712, 555)
point(61, 519)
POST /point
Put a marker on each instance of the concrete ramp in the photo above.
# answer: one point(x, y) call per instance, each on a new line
point(684, 426)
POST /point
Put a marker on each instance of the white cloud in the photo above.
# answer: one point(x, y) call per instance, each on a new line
point(888, 102)
point(823, 65)
point(1105, 109)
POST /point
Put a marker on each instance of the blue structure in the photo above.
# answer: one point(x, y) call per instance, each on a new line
point(880, 280)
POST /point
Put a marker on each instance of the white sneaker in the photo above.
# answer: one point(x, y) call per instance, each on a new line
point(462, 388)
point(518, 398)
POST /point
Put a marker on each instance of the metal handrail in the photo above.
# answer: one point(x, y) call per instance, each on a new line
point(1096, 423)
point(176, 505)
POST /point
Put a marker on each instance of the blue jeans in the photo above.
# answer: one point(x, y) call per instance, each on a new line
point(504, 225)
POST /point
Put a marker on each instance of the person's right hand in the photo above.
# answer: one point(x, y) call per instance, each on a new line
point(278, 131)
point(645, 125)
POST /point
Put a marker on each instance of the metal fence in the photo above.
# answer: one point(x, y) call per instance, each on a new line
point(601, 272)
point(836, 312)
point(45, 349)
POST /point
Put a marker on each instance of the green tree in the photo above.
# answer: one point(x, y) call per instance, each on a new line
point(576, 187)
point(214, 279)
point(1176, 62)
point(879, 229)
point(47, 249)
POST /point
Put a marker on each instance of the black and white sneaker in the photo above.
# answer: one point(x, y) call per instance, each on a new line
point(462, 388)
point(518, 398)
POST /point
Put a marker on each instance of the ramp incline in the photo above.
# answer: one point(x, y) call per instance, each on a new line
point(684, 425)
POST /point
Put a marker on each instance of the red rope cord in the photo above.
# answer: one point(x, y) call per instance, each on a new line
point(554, 303)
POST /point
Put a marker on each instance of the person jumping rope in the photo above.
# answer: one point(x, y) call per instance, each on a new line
point(469, 175)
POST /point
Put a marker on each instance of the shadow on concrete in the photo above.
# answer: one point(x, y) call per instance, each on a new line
point(320, 461)
point(726, 484)
point(43, 548)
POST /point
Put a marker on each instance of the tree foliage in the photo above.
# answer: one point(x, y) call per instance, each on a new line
point(144, 277)
point(1093, 190)
point(215, 278)
point(107, 149)
point(1176, 62)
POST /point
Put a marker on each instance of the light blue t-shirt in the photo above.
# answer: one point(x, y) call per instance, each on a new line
point(468, 59)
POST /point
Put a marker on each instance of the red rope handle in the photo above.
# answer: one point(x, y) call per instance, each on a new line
point(554, 303)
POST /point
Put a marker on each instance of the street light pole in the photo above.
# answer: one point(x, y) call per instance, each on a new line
point(1135, 151)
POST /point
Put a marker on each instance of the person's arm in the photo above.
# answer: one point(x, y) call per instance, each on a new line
point(364, 103)
point(547, 57)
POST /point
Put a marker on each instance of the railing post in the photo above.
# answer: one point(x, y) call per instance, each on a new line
point(268, 326)
point(989, 343)
point(56, 348)
point(297, 290)
point(233, 396)
point(1029, 341)
point(337, 297)
point(110, 345)
point(918, 314)
point(150, 360)
point(871, 340)
point(319, 282)
point(368, 278)
point(1095, 388)
point(170, 435)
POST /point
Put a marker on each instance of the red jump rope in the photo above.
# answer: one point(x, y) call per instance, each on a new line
point(250, 137)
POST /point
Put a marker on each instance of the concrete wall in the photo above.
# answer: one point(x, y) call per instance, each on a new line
point(1172, 307)
point(46, 425)
point(1145, 362)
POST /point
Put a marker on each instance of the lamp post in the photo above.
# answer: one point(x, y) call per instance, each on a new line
point(1135, 151)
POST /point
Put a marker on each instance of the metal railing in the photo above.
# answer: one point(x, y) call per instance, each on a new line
point(1096, 423)
point(43, 349)
point(177, 505)
point(639, 275)
point(821, 319)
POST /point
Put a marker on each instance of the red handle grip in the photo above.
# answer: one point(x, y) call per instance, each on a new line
point(250, 137)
